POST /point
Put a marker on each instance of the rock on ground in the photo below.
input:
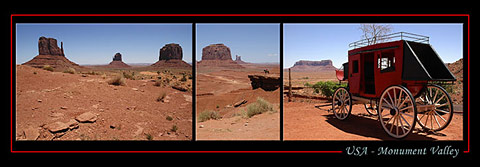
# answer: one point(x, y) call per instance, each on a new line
point(86, 117)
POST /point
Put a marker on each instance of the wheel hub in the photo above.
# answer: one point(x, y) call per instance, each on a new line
point(394, 111)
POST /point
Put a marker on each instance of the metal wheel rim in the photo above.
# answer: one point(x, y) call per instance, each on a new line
point(341, 103)
point(438, 118)
point(397, 112)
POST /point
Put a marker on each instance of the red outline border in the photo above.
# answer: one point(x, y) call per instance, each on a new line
point(230, 15)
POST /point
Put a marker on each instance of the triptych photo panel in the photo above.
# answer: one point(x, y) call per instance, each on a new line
point(293, 84)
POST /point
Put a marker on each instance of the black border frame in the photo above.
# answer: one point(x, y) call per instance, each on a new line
point(236, 146)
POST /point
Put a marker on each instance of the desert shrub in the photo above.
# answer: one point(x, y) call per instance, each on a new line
point(445, 85)
point(169, 118)
point(327, 88)
point(129, 76)
point(117, 81)
point(157, 83)
point(260, 106)
point(184, 78)
point(148, 136)
point(174, 128)
point(161, 96)
point(70, 70)
point(93, 73)
point(207, 115)
point(48, 68)
point(241, 113)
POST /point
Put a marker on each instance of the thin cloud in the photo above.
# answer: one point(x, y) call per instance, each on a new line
point(272, 55)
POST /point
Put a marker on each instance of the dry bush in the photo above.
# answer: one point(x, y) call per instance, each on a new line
point(161, 97)
point(260, 106)
point(48, 68)
point(70, 70)
point(207, 115)
point(118, 80)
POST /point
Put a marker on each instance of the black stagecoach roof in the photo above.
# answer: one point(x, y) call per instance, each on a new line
point(420, 61)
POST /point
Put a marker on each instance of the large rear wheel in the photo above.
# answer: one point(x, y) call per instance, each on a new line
point(438, 117)
point(397, 111)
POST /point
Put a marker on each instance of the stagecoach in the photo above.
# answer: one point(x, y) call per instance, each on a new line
point(397, 80)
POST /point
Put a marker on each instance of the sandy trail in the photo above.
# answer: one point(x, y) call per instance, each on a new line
point(219, 90)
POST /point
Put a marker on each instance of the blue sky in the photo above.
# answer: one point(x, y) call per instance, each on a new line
point(97, 43)
point(330, 41)
point(256, 43)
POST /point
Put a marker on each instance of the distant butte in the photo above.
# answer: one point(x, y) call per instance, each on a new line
point(50, 54)
point(238, 59)
point(117, 62)
point(217, 55)
point(171, 56)
point(309, 66)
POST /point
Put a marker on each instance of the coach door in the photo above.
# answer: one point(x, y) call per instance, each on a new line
point(354, 67)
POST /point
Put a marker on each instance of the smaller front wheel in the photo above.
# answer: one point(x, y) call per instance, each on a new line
point(342, 103)
point(371, 107)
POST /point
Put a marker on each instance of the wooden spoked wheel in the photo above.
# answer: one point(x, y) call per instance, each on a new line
point(371, 107)
point(397, 111)
point(342, 103)
point(439, 111)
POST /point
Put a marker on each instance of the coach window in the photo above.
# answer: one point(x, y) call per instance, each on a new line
point(355, 66)
point(386, 61)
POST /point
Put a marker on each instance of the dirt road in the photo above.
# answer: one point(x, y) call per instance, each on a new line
point(265, 126)
point(219, 90)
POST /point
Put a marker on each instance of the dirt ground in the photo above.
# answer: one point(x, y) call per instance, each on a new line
point(47, 101)
point(304, 121)
point(219, 89)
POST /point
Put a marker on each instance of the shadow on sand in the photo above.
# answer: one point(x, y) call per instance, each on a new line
point(368, 126)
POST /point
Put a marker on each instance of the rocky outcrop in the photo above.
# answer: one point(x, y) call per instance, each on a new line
point(267, 83)
point(238, 59)
point(171, 56)
point(309, 66)
point(171, 64)
point(117, 62)
point(117, 57)
point(216, 52)
point(217, 55)
point(48, 46)
point(171, 51)
point(50, 54)
point(314, 63)
point(456, 68)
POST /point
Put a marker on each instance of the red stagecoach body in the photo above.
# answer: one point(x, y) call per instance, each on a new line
point(373, 68)
point(396, 80)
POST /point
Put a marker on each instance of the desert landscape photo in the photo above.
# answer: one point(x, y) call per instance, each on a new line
point(313, 53)
point(238, 99)
point(104, 82)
